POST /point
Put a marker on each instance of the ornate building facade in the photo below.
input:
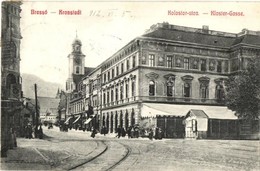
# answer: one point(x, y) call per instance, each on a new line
point(11, 82)
point(168, 71)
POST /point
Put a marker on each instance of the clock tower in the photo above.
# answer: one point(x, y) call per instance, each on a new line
point(76, 64)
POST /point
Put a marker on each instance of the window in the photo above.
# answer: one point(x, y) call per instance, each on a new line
point(122, 68)
point(212, 65)
point(178, 62)
point(219, 92)
point(126, 91)
point(144, 60)
point(107, 97)
point(108, 75)
point(121, 92)
point(117, 70)
point(169, 61)
point(127, 64)
point(151, 60)
point(170, 89)
point(203, 91)
point(219, 66)
point(112, 95)
point(186, 63)
point(113, 73)
point(104, 98)
point(195, 64)
point(116, 94)
point(186, 92)
point(203, 64)
point(133, 88)
point(77, 69)
point(151, 88)
point(133, 62)
point(105, 78)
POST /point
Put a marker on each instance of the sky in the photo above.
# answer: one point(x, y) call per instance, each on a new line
point(105, 27)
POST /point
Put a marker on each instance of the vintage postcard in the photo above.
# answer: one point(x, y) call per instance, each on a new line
point(135, 85)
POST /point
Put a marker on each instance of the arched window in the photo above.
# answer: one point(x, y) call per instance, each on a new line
point(170, 89)
point(126, 90)
point(10, 79)
point(108, 97)
point(133, 88)
point(121, 92)
point(151, 88)
point(203, 91)
point(186, 92)
point(104, 98)
point(220, 92)
point(112, 95)
point(77, 69)
point(116, 94)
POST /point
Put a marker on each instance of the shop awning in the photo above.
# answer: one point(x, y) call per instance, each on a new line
point(76, 120)
point(67, 121)
point(214, 112)
point(88, 120)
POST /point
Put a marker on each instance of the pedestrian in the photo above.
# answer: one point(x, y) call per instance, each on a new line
point(30, 131)
point(104, 130)
point(118, 131)
point(151, 134)
point(132, 132)
point(156, 133)
point(129, 132)
point(40, 132)
point(123, 132)
point(160, 134)
point(136, 132)
point(93, 134)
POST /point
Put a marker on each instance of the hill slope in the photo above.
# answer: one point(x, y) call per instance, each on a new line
point(44, 88)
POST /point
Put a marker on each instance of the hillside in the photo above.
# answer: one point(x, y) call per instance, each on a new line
point(45, 89)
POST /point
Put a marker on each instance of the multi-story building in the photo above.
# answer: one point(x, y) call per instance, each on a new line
point(10, 73)
point(75, 89)
point(168, 71)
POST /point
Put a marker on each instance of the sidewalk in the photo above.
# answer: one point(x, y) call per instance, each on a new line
point(32, 154)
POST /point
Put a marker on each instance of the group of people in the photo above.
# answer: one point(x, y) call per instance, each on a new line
point(29, 130)
point(132, 132)
point(157, 134)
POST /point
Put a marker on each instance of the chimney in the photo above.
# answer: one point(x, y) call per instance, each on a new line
point(205, 29)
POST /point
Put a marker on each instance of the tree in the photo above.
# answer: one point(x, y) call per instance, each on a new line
point(243, 91)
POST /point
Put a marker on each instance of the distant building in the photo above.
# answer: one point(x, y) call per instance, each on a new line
point(48, 109)
point(158, 77)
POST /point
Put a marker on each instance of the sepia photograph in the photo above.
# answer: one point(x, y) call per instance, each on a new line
point(130, 85)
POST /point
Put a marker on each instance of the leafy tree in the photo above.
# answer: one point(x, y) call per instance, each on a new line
point(243, 91)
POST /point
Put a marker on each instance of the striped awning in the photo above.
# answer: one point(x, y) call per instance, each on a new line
point(67, 121)
point(88, 120)
point(213, 112)
point(76, 120)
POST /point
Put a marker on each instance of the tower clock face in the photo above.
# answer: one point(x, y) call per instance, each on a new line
point(77, 60)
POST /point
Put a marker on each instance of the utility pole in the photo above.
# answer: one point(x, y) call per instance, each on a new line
point(36, 111)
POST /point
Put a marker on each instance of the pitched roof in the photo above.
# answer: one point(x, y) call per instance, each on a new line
point(218, 39)
point(198, 113)
point(191, 37)
point(88, 70)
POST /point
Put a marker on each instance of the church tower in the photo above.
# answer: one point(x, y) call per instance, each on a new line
point(76, 65)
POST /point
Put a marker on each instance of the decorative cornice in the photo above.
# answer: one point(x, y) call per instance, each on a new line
point(152, 75)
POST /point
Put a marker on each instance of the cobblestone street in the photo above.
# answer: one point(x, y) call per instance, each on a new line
point(77, 150)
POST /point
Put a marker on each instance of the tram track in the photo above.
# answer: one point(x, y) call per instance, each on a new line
point(105, 160)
